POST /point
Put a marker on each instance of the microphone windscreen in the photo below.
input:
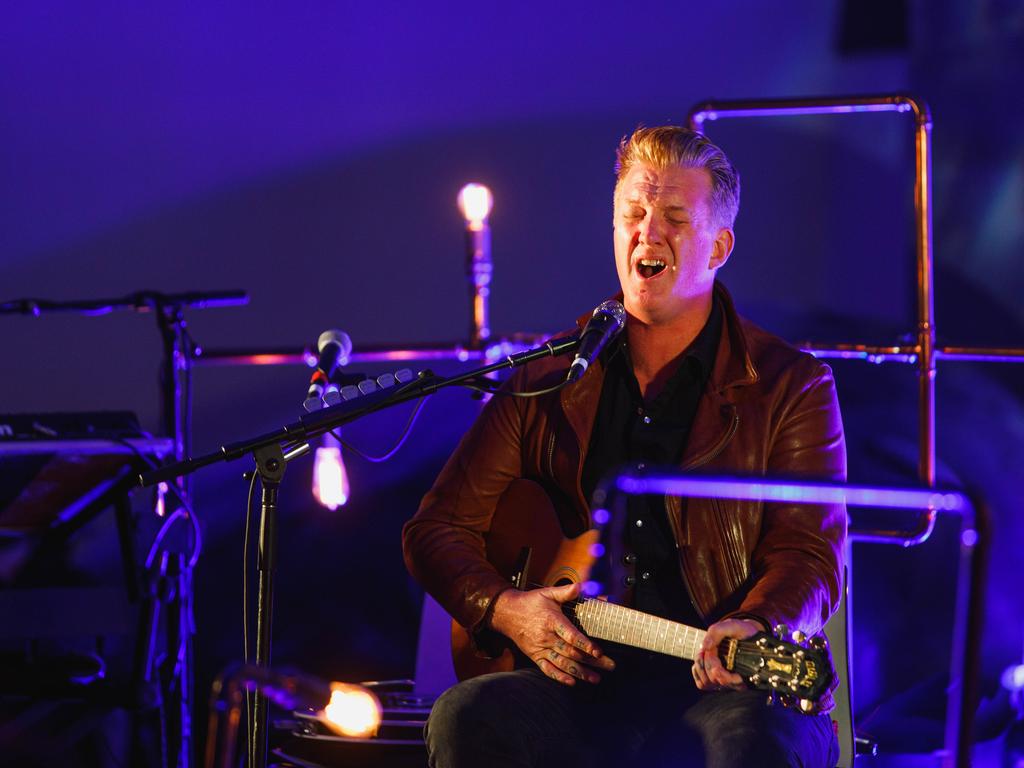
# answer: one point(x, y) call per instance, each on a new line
point(334, 336)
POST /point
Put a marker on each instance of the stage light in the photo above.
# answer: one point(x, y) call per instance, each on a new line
point(350, 709)
point(330, 479)
point(475, 203)
point(353, 711)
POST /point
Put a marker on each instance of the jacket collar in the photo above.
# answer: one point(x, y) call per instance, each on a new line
point(733, 364)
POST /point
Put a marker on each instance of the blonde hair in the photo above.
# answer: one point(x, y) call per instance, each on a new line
point(669, 145)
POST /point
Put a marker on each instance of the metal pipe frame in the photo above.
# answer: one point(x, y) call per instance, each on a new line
point(974, 537)
point(374, 353)
point(924, 353)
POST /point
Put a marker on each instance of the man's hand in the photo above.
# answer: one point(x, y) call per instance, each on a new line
point(708, 671)
point(534, 621)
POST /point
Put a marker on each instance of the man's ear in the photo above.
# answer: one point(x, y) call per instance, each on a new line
point(722, 247)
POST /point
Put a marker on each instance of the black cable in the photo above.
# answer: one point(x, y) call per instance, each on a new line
point(249, 696)
point(196, 542)
point(401, 439)
point(478, 386)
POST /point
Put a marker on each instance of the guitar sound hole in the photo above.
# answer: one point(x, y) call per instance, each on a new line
point(562, 582)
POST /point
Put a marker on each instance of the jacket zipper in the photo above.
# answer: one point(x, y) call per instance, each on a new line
point(551, 454)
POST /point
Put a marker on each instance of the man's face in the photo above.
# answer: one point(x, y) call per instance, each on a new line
point(667, 246)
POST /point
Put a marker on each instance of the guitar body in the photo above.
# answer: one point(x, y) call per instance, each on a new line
point(524, 517)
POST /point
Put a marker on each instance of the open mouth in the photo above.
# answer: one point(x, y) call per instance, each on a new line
point(648, 268)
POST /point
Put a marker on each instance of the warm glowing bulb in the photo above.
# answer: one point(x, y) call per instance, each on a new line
point(161, 504)
point(353, 711)
point(330, 480)
point(475, 203)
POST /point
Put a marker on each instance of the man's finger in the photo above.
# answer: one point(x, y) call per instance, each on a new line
point(574, 668)
point(718, 674)
point(569, 651)
point(554, 672)
point(564, 593)
point(568, 634)
point(700, 674)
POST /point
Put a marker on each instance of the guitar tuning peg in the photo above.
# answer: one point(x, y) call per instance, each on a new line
point(819, 643)
point(781, 631)
point(798, 636)
point(806, 706)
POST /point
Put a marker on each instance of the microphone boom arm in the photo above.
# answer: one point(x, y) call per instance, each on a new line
point(318, 422)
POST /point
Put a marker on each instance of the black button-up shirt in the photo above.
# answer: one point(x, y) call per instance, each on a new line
point(629, 431)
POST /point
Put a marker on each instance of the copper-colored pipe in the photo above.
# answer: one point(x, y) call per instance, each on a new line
point(479, 271)
point(926, 356)
point(869, 352)
point(925, 291)
point(981, 354)
point(909, 354)
point(825, 105)
point(372, 353)
point(919, 534)
point(368, 354)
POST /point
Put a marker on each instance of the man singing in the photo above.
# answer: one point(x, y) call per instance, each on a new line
point(689, 383)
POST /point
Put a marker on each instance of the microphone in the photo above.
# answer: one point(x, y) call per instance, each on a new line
point(334, 347)
point(607, 322)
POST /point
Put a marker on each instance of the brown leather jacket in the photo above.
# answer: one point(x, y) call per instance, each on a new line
point(768, 409)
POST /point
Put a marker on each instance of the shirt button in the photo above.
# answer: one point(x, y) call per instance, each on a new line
point(639, 523)
point(645, 575)
point(647, 419)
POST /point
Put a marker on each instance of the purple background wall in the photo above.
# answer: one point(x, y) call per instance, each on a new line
point(312, 157)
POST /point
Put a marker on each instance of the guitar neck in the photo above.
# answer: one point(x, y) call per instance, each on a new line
point(607, 621)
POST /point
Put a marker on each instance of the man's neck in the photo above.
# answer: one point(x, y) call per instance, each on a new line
point(655, 348)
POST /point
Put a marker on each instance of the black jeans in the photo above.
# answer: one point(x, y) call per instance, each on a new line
point(651, 719)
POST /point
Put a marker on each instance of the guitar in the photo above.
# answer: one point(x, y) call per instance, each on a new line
point(526, 545)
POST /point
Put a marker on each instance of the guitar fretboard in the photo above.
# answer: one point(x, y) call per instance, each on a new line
point(608, 621)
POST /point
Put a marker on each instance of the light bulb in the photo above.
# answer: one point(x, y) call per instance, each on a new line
point(475, 203)
point(330, 480)
point(353, 711)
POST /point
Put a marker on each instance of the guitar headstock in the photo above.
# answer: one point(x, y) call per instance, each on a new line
point(797, 668)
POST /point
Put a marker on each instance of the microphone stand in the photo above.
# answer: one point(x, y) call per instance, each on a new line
point(272, 451)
